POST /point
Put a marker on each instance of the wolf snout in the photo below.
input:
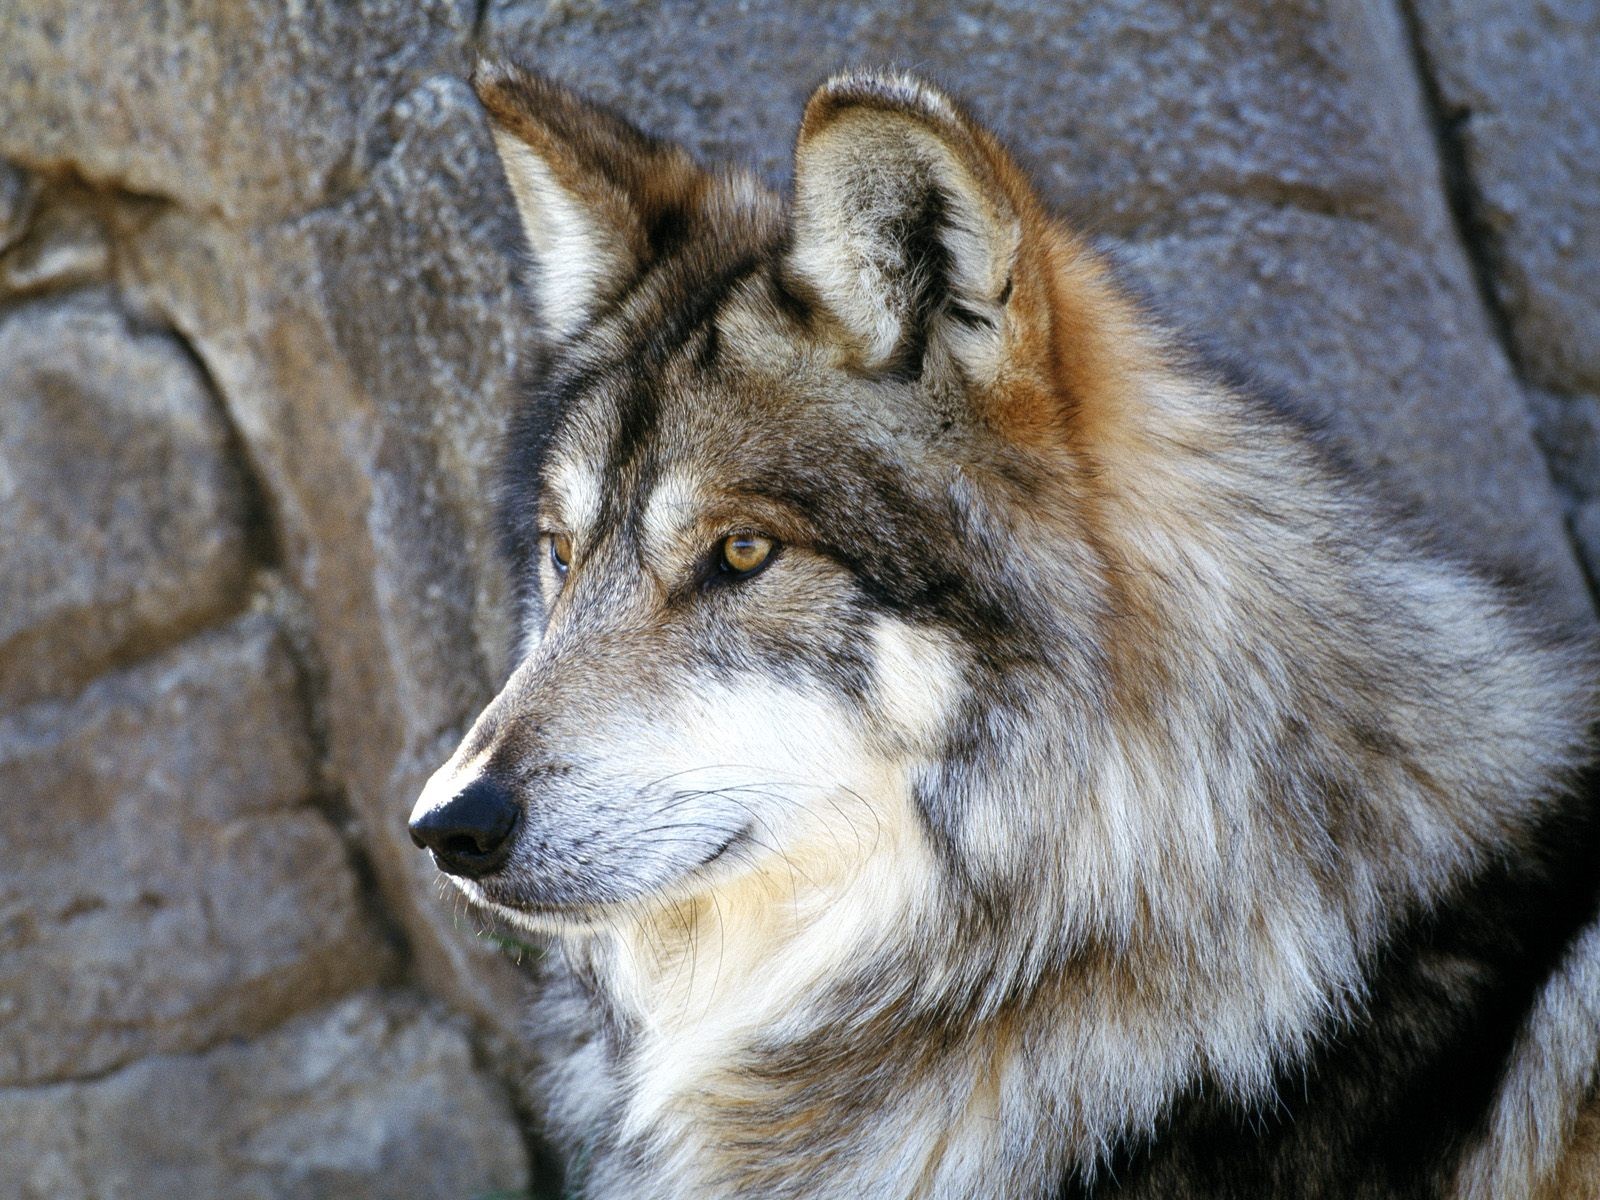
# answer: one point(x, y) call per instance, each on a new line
point(471, 834)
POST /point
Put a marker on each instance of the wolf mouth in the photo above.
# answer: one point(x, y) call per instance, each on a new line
point(497, 897)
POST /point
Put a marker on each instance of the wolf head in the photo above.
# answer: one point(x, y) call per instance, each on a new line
point(777, 514)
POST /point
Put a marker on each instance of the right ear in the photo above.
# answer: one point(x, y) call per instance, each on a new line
point(908, 224)
point(597, 197)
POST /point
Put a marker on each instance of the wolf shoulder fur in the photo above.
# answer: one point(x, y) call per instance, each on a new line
point(964, 746)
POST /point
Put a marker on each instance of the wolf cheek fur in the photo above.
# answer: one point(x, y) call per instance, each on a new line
point(1086, 788)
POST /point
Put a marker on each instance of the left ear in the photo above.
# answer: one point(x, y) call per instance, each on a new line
point(907, 225)
point(598, 198)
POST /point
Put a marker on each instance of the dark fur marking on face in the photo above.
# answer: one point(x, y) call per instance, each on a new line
point(549, 390)
point(651, 339)
point(903, 548)
point(841, 664)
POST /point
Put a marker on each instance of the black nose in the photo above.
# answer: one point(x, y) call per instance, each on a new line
point(471, 835)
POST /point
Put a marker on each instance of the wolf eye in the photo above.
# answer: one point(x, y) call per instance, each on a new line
point(560, 552)
point(746, 553)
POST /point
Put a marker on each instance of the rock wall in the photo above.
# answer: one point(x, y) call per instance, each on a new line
point(258, 317)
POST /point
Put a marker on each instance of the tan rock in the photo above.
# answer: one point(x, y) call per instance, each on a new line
point(175, 889)
point(366, 351)
point(243, 108)
point(66, 246)
point(123, 510)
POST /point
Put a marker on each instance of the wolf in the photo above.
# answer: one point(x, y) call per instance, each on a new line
point(964, 744)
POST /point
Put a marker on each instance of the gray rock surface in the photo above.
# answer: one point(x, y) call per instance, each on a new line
point(121, 498)
point(375, 1098)
point(1122, 109)
point(1520, 90)
point(176, 889)
point(1518, 93)
point(1569, 433)
point(1586, 532)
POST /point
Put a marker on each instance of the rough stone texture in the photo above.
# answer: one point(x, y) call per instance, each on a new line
point(243, 109)
point(375, 1098)
point(1519, 96)
point(366, 351)
point(67, 246)
point(121, 501)
point(1518, 92)
point(1569, 432)
point(1268, 171)
point(1216, 100)
point(1520, 88)
point(17, 190)
point(258, 318)
point(175, 888)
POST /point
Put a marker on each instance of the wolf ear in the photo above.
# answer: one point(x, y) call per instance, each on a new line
point(906, 224)
point(597, 197)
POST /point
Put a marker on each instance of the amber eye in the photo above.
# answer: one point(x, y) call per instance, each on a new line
point(560, 552)
point(745, 553)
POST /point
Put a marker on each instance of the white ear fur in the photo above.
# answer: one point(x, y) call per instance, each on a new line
point(577, 249)
point(875, 186)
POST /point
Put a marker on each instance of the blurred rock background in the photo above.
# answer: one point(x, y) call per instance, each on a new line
point(259, 309)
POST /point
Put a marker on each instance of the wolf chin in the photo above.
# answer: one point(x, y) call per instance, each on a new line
point(964, 745)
